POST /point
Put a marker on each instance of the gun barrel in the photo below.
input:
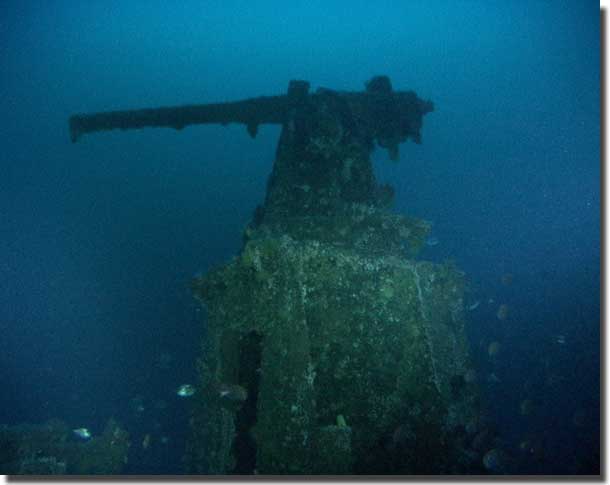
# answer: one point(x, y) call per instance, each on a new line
point(251, 112)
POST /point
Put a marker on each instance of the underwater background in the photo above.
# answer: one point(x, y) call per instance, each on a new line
point(102, 238)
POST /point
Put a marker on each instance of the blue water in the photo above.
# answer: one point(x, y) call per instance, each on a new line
point(101, 238)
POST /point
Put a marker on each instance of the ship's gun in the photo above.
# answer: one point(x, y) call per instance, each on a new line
point(378, 113)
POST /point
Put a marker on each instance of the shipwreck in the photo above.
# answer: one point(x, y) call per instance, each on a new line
point(353, 353)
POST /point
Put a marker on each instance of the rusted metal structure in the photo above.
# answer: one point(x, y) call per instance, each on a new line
point(352, 353)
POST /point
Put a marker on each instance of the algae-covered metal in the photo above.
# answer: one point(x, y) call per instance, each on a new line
point(349, 355)
point(378, 341)
point(339, 337)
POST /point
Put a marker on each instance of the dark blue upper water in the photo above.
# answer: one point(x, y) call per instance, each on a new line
point(101, 238)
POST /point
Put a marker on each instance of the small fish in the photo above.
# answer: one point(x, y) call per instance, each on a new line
point(495, 461)
point(502, 313)
point(507, 279)
point(526, 446)
point(474, 306)
point(432, 241)
point(494, 349)
point(493, 378)
point(532, 447)
point(146, 441)
point(82, 433)
point(137, 404)
point(185, 390)
point(560, 339)
point(554, 379)
point(232, 393)
point(526, 407)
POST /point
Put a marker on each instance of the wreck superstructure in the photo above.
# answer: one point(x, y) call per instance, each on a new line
point(353, 353)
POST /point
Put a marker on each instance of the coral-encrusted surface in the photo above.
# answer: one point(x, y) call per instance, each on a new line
point(378, 340)
point(353, 355)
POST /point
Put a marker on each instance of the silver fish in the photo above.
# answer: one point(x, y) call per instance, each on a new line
point(83, 433)
point(185, 390)
point(474, 306)
point(432, 241)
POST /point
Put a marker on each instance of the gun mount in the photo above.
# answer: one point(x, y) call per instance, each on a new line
point(352, 355)
point(323, 157)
